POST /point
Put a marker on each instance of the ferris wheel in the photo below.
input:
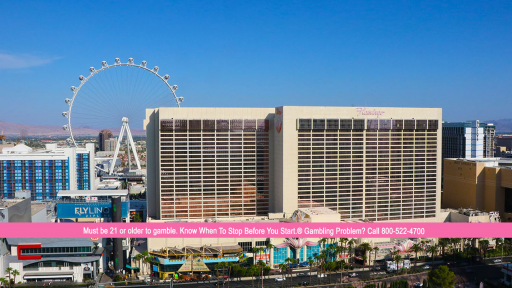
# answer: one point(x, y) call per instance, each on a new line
point(113, 96)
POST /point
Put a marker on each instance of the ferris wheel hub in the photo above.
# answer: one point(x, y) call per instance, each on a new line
point(125, 119)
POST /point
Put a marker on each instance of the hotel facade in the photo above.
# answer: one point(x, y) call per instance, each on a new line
point(46, 172)
point(378, 164)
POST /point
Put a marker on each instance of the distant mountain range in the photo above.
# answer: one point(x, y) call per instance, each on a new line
point(502, 125)
point(14, 129)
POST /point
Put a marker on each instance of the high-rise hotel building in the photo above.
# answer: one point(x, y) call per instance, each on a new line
point(379, 164)
point(46, 172)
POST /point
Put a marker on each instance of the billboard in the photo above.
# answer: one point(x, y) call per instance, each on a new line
point(88, 210)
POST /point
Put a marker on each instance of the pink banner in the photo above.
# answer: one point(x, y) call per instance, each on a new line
point(255, 230)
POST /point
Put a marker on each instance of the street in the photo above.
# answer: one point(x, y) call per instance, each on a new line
point(464, 274)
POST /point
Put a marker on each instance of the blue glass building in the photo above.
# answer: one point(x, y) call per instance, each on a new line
point(45, 172)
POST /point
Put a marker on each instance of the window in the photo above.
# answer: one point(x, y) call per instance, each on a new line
point(421, 124)
point(333, 124)
point(433, 124)
point(409, 124)
point(358, 124)
point(384, 124)
point(246, 246)
point(262, 243)
point(280, 255)
point(304, 123)
point(319, 124)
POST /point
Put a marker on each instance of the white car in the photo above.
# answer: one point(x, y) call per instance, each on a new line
point(426, 267)
point(353, 275)
point(320, 275)
point(497, 261)
point(279, 279)
point(418, 284)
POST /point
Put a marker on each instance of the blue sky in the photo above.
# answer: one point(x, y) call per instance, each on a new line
point(450, 54)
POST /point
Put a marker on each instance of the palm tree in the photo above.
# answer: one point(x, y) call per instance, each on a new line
point(331, 252)
point(223, 265)
point(230, 265)
point(467, 247)
point(145, 255)
point(318, 259)
point(256, 250)
point(310, 262)
point(270, 247)
point(370, 250)
point(432, 249)
point(455, 243)
point(261, 265)
point(9, 270)
point(217, 266)
point(365, 247)
point(323, 241)
point(416, 248)
point(443, 243)
point(375, 249)
point(397, 259)
point(350, 244)
point(15, 273)
point(3, 281)
point(139, 257)
point(484, 244)
point(323, 257)
point(291, 261)
point(283, 268)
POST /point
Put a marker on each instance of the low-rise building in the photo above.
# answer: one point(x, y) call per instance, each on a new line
point(481, 184)
point(46, 259)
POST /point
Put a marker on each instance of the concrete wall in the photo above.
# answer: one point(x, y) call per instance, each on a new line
point(469, 184)
point(460, 184)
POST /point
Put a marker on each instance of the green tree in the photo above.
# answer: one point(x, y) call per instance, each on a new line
point(137, 218)
point(397, 259)
point(9, 270)
point(443, 243)
point(322, 242)
point(223, 265)
point(261, 266)
point(432, 249)
point(291, 261)
point(330, 266)
point(416, 248)
point(252, 271)
point(139, 258)
point(310, 262)
point(350, 244)
point(484, 244)
point(145, 257)
point(375, 249)
point(441, 277)
point(340, 250)
point(283, 268)
point(15, 273)
point(365, 247)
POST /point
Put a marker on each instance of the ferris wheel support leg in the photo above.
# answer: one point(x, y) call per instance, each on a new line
point(117, 150)
point(129, 136)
